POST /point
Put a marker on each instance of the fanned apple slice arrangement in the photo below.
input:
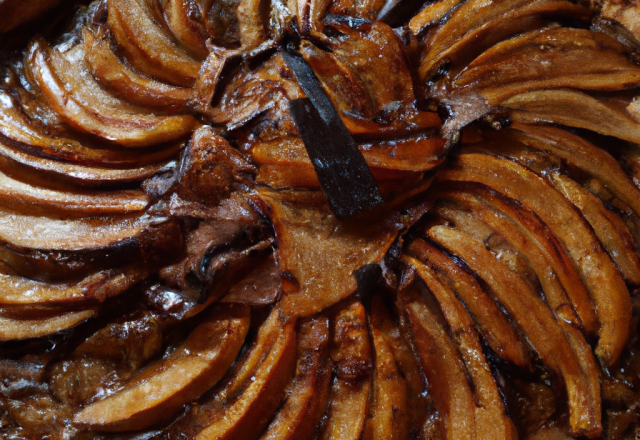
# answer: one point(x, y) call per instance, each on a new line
point(180, 257)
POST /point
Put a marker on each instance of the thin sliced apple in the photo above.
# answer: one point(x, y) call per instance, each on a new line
point(147, 46)
point(574, 109)
point(308, 395)
point(91, 110)
point(110, 71)
point(443, 367)
point(432, 14)
point(537, 321)
point(19, 329)
point(491, 322)
point(165, 386)
point(388, 417)
point(352, 355)
point(319, 251)
point(76, 174)
point(559, 280)
point(602, 279)
point(182, 18)
point(608, 227)
point(550, 59)
point(491, 419)
point(476, 25)
point(260, 287)
point(25, 197)
point(255, 406)
point(582, 154)
point(18, 291)
point(250, 22)
point(22, 134)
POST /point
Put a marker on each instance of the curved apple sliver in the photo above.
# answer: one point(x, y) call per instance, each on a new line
point(91, 110)
point(165, 386)
point(352, 355)
point(574, 109)
point(308, 395)
point(147, 45)
point(602, 279)
point(491, 322)
point(491, 419)
point(537, 321)
point(20, 329)
point(21, 292)
point(582, 154)
point(186, 29)
point(559, 280)
point(612, 232)
point(129, 85)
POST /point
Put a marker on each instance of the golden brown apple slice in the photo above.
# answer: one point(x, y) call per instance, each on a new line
point(582, 154)
point(353, 361)
point(608, 227)
point(18, 291)
point(550, 59)
point(76, 174)
point(388, 417)
point(477, 25)
point(431, 14)
point(574, 109)
point(262, 394)
point(558, 278)
point(319, 251)
point(537, 321)
point(24, 135)
point(491, 322)
point(606, 287)
point(91, 110)
point(110, 71)
point(148, 47)
point(19, 329)
point(165, 386)
point(443, 367)
point(182, 18)
point(308, 395)
point(491, 419)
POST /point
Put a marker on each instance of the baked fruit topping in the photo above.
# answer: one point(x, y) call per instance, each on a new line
point(319, 219)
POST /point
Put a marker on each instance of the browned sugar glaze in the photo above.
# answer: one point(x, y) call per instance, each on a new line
point(170, 267)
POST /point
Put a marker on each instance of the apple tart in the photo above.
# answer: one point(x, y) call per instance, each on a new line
point(319, 219)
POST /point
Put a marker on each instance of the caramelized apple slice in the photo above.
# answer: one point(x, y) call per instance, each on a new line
point(261, 396)
point(19, 329)
point(147, 45)
point(476, 25)
point(389, 405)
point(319, 251)
point(352, 357)
point(442, 366)
point(491, 322)
point(308, 395)
point(165, 386)
point(24, 197)
point(89, 109)
point(536, 320)
point(182, 18)
point(491, 419)
point(574, 109)
point(582, 154)
point(432, 14)
point(606, 286)
point(20, 133)
point(608, 227)
point(110, 71)
point(18, 291)
point(550, 59)
point(559, 280)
